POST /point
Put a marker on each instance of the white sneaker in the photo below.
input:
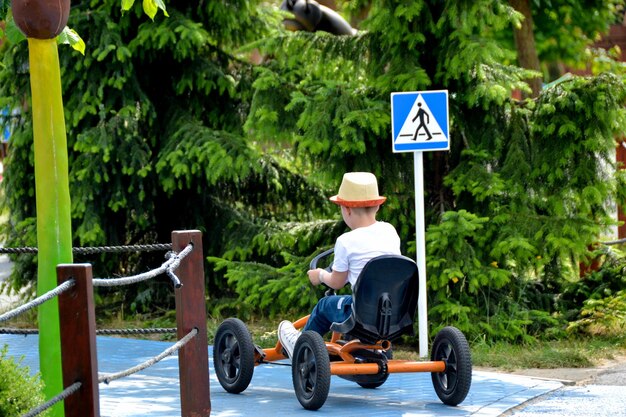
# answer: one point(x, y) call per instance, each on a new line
point(287, 336)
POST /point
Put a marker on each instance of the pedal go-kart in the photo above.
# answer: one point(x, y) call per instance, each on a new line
point(360, 349)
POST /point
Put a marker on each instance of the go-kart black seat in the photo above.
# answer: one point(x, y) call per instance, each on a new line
point(384, 300)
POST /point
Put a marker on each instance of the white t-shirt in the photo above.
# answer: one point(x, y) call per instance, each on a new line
point(354, 248)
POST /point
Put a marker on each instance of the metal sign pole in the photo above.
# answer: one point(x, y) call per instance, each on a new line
point(420, 246)
point(420, 123)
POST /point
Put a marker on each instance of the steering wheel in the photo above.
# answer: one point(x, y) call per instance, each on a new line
point(314, 261)
point(313, 265)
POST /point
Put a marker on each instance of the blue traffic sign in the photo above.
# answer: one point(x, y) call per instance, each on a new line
point(419, 121)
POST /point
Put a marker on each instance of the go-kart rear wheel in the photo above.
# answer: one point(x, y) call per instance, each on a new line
point(233, 355)
point(453, 384)
point(311, 370)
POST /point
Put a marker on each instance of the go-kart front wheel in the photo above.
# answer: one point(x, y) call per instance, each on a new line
point(453, 384)
point(233, 355)
point(311, 370)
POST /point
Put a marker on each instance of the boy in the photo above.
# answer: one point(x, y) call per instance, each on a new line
point(359, 201)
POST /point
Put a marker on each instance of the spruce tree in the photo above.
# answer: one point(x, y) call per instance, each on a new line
point(524, 191)
point(217, 118)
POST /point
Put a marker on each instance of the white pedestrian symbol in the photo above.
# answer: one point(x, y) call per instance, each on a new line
point(420, 125)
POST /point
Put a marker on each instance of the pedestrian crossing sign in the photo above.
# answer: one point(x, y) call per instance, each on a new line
point(419, 121)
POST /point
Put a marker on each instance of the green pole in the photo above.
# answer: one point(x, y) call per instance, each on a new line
point(54, 234)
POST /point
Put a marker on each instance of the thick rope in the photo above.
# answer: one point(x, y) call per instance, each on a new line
point(19, 250)
point(123, 248)
point(175, 263)
point(98, 249)
point(37, 301)
point(25, 332)
point(166, 267)
point(614, 242)
point(63, 395)
point(114, 282)
point(156, 330)
point(106, 378)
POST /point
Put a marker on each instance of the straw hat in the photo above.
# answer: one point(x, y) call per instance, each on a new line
point(358, 189)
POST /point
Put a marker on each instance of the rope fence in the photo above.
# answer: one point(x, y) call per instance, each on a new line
point(614, 242)
point(167, 267)
point(156, 330)
point(176, 263)
point(100, 332)
point(37, 301)
point(89, 250)
point(106, 378)
point(80, 365)
point(62, 396)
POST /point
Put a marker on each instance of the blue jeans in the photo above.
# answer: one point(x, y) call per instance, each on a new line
point(329, 310)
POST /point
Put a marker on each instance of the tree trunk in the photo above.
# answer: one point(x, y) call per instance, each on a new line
point(525, 43)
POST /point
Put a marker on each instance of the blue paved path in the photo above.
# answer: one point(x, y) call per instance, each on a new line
point(579, 401)
point(154, 392)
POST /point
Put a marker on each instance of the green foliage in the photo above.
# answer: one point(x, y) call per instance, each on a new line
point(19, 391)
point(218, 119)
point(70, 37)
point(275, 291)
point(154, 115)
point(602, 316)
point(4, 8)
point(607, 279)
point(540, 187)
point(596, 304)
point(279, 285)
point(479, 298)
point(455, 258)
point(567, 28)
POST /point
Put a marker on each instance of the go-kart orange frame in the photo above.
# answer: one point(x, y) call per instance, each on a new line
point(383, 307)
point(347, 366)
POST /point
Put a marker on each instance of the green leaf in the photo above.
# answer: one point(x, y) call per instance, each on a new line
point(13, 34)
point(161, 5)
point(70, 37)
point(127, 4)
point(151, 7)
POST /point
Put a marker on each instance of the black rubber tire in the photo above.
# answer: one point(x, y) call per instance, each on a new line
point(233, 355)
point(310, 370)
point(454, 383)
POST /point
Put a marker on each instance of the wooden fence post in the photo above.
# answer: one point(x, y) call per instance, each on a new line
point(193, 358)
point(78, 340)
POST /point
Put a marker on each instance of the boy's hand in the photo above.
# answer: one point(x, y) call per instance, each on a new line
point(314, 276)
